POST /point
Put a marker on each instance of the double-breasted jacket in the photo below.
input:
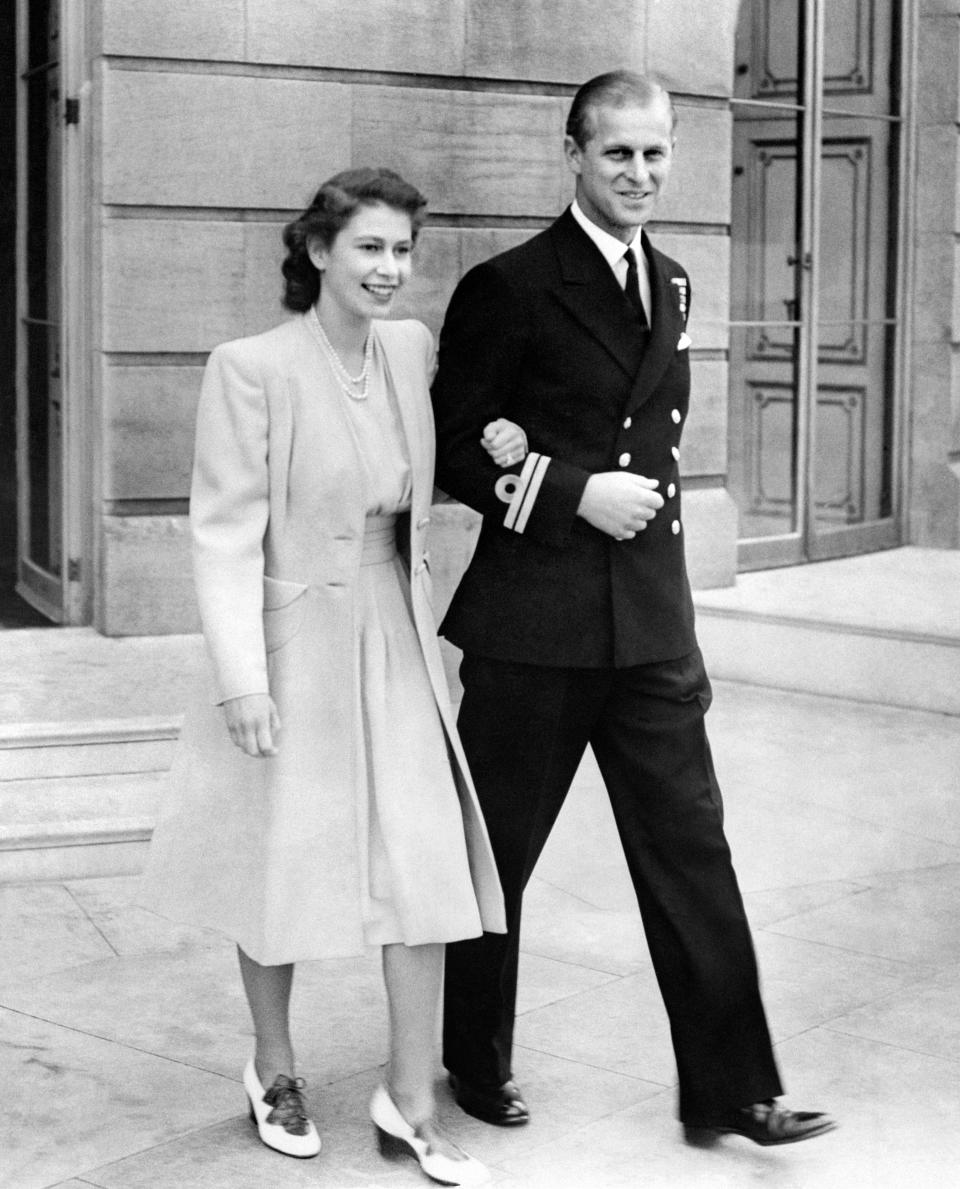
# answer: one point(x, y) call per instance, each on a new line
point(544, 335)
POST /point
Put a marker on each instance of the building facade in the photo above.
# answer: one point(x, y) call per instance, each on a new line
point(157, 147)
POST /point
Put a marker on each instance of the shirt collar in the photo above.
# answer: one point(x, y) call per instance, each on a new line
point(611, 247)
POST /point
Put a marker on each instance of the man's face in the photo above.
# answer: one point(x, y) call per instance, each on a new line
point(624, 165)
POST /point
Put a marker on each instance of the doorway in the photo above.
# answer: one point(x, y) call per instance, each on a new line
point(44, 51)
point(14, 611)
point(816, 259)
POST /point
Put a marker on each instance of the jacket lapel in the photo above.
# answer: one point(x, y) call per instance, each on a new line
point(665, 332)
point(406, 373)
point(588, 290)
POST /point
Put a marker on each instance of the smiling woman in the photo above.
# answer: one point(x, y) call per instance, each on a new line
point(370, 259)
point(324, 803)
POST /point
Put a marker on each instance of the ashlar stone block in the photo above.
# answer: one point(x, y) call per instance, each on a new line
point(710, 533)
point(149, 415)
point(174, 139)
point(417, 36)
point(469, 152)
point(173, 29)
point(938, 64)
point(704, 447)
point(699, 186)
point(146, 585)
point(707, 260)
point(553, 40)
point(938, 168)
point(690, 44)
point(184, 285)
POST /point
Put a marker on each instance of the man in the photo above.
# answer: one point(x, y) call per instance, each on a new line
point(576, 620)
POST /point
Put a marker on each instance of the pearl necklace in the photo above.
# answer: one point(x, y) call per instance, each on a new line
point(356, 387)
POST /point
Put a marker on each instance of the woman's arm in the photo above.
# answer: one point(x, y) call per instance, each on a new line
point(229, 512)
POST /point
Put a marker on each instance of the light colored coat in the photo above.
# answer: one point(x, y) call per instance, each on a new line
point(276, 575)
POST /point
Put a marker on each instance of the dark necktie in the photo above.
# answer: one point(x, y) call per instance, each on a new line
point(632, 287)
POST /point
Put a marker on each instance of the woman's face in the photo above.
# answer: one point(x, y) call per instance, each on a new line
point(366, 264)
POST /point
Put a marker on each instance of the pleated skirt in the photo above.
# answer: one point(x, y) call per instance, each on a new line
point(413, 853)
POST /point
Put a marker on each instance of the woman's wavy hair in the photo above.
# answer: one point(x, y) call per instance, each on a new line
point(332, 207)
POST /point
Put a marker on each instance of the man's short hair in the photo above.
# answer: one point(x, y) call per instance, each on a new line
point(617, 88)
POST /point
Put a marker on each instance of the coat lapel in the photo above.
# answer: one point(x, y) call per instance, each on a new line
point(409, 380)
point(588, 290)
point(665, 332)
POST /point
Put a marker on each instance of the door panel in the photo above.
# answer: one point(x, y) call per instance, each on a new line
point(764, 302)
point(811, 443)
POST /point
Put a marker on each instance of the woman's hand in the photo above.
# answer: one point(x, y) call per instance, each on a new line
point(253, 723)
point(505, 442)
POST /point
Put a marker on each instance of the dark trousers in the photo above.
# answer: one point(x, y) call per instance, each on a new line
point(525, 729)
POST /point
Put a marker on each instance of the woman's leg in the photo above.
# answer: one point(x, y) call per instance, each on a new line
point(412, 975)
point(268, 994)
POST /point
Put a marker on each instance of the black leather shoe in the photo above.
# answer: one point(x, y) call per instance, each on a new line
point(765, 1123)
point(503, 1106)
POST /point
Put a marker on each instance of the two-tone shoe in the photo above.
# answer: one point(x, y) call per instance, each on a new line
point(280, 1114)
point(766, 1123)
point(398, 1138)
point(503, 1106)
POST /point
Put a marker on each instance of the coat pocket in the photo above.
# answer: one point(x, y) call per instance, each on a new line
point(283, 607)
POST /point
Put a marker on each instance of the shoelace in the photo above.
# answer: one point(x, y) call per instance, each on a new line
point(288, 1112)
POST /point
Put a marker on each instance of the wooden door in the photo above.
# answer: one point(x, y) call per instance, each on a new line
point(815, 162)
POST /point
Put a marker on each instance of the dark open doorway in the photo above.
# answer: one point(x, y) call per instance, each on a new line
point(14, 612)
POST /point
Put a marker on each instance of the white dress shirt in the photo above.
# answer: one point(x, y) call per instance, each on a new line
point(613, 250)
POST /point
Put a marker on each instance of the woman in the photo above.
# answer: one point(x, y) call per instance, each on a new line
point(335, 810)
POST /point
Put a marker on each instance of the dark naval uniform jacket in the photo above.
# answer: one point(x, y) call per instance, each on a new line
point(544, 335)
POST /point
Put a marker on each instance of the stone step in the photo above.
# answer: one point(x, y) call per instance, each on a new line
point(64, 827)
point(892, 667)
point(65, 749)
point(80, 798)
point(881, 627)
point(832, 660)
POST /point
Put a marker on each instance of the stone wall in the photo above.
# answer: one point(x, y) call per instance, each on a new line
point(216, 119)
point(934, 429)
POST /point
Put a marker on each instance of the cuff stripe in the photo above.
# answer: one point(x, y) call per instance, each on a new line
point(530, 480)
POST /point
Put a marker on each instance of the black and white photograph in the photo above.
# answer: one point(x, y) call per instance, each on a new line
point(480, 594)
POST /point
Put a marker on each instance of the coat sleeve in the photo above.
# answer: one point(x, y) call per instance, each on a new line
point(486, 340)
point(229, 510)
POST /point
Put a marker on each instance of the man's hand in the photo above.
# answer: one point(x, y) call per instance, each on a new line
point(620, 504)
point(505, 442)
point(253, 723)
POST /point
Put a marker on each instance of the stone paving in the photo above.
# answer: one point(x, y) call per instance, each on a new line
point(123, 1037)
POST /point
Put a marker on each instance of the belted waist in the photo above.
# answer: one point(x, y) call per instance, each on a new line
point(379, 540)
